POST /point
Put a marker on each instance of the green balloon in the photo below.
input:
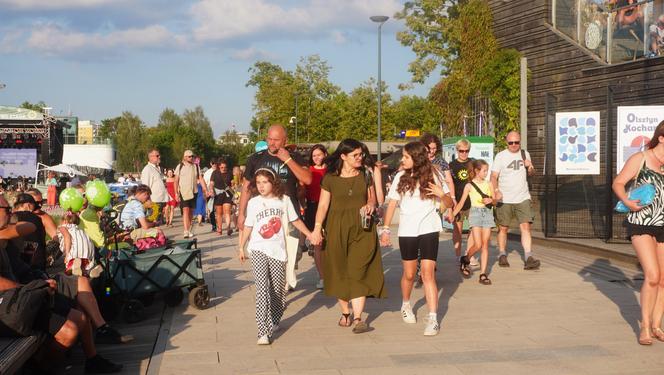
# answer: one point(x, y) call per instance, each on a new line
point(98, 193)
point(71, 199)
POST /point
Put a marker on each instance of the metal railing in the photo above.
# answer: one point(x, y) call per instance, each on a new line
point(614, 31)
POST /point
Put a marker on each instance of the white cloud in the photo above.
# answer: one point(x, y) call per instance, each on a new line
point(226, 20)
point(53, 39)
point(54, 4)
point(338, 37)
point(252, 54)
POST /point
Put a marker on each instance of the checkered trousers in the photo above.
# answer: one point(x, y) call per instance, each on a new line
point(270, 278)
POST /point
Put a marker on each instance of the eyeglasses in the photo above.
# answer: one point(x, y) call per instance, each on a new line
point(463, 151)
point(513, 142)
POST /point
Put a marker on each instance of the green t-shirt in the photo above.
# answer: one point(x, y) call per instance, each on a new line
point(89, 223)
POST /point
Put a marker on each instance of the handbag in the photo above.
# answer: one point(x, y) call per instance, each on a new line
point(292, 244)
point(645, 193)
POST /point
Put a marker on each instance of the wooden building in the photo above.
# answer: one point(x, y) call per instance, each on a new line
point(565, 74)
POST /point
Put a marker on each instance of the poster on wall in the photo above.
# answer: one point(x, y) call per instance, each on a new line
point(636, 124)
point(15, 162)
point(577, 145)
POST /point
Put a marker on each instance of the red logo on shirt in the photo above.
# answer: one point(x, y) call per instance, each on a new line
point(272, 227)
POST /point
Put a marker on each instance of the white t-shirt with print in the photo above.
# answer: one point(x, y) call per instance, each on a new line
point(416, 216)
point(264, 218)
point(512, 176)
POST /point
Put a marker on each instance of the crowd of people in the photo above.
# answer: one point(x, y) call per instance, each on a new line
point(335, 203)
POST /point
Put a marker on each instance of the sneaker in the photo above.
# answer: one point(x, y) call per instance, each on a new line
point(263, 340)
point(101, 365)
point(432, 327)
point(96, 271)
point(185, 235)
point(474, 262)
point(191, 234)
point(109, 335)
point(502, 261)
point(320, 284)
point(531, 264)
point(408, 315)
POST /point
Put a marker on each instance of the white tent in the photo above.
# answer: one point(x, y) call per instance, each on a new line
point(60, 168)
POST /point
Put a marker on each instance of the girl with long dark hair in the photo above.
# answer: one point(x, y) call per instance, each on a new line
point(318, 169)
point(419, 227)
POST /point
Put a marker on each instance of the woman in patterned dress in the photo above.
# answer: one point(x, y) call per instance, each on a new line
point(645, 227)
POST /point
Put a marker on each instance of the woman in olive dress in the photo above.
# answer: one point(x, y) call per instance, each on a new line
point(352, 264)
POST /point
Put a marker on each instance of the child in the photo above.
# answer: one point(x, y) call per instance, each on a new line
point(264, 229)
point(480, 193)
point(77, 247)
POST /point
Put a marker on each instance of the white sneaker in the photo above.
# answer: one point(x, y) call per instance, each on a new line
point(474, 262)
point(432, 327)
point(320, 284)
point(407, 315)
point(185, 234)
point(263, 340)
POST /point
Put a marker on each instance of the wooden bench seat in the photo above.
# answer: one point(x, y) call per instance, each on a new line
point(15, 351)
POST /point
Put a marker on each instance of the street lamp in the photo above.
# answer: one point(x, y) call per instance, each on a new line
point(380, 20)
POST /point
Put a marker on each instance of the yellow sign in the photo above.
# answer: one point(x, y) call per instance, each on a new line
point(412, 133)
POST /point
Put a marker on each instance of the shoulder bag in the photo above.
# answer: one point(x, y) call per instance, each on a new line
point(477, 188)
point(291, 246)
point(645, 193)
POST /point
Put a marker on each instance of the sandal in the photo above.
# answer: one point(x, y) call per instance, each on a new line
point(465, 271)
point(645, 341)
point(484, 279)
point(345, 321)
point(658, 333)
point(360, 326)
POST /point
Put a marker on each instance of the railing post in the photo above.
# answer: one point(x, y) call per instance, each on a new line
point(609, 36)
point(553, 13)
point(578, 21)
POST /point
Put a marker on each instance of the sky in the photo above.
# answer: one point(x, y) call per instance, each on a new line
point(98, 58)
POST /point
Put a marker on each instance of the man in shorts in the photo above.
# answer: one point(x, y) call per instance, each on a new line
point(509, 174)
point(187, 176)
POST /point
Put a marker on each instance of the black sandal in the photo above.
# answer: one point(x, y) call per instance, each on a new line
point(465, 271)
point(484, 279)
point(345, 320)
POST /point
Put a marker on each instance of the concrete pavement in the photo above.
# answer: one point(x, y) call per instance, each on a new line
point(577, 315)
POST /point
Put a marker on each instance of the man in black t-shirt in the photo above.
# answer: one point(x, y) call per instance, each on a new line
point(460, 168)
point(220, 187)
point(288, 166)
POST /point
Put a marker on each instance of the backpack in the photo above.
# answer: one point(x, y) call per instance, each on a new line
point(20, 306)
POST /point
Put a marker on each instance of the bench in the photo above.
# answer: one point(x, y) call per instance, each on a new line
point(15, 351)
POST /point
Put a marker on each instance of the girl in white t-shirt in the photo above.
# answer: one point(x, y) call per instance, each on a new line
point(419, 227)
point(481, 195)
point(264, 229)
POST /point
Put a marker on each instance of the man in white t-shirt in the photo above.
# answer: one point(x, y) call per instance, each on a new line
point(509, 174)
point(154, 179)
point(208, 207)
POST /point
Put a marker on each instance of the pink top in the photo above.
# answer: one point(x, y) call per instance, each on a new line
point(313, 190)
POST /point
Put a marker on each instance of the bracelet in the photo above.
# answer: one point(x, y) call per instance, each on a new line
point(287, 160)
point(318, 225)
point(384, 230)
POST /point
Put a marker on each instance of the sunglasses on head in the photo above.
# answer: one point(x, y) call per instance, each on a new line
point(514, 143)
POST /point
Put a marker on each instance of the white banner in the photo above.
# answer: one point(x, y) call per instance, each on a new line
point(15, 162)
point(577, 146)
point(636, 125)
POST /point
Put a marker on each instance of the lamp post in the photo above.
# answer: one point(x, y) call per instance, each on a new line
point(380, 20)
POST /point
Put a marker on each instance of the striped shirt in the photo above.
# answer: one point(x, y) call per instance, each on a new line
point(81, 245)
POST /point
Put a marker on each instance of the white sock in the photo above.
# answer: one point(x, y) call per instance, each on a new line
point(433, 316)
point(405, 304)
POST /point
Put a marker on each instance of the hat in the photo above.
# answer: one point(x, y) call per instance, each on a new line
point(188, 153)
point(24, 198)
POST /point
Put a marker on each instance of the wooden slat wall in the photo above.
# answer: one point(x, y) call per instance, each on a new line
point(562, 68)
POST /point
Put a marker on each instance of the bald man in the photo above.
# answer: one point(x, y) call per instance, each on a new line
point(288, 166)
point(509, 174)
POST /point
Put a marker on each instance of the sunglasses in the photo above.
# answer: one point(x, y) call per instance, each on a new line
point(463, 151)
point(514, 143)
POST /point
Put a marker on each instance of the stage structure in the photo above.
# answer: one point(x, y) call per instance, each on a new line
point(22, 128)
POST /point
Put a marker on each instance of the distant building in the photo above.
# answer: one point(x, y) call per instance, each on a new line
point(69, 129)
point(232, 137)
point(87, 132)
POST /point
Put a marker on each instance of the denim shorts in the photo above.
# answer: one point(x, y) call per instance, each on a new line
point(481, 217)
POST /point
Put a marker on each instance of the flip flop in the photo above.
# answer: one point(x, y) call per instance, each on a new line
point(360, 326)
point(345, 320)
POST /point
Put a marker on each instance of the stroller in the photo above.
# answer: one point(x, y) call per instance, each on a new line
point(131, 280)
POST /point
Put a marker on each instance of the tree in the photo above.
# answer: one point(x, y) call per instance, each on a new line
point(109, 128)
point(275, 90)
point(35, 107)
point(130, 145)
point(415, 112)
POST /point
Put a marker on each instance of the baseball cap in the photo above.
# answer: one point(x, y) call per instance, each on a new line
point(188, 153)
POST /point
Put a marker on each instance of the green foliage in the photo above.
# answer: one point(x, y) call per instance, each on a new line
point(35, 107)
point(130, 143)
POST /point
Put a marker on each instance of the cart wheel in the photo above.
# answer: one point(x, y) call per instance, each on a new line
point(133, 311)
point(199, 297)
point(147, 299)
point(174, 297)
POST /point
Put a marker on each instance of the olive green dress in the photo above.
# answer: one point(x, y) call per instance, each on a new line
point(352, 261)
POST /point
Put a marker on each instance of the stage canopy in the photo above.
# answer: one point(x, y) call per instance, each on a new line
point(61, 168)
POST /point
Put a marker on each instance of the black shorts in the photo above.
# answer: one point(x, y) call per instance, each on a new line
point(51, 318)
point(223, 198)
point(189, 203)
point(637, 230)
point(310, 215)
point(424, 244)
